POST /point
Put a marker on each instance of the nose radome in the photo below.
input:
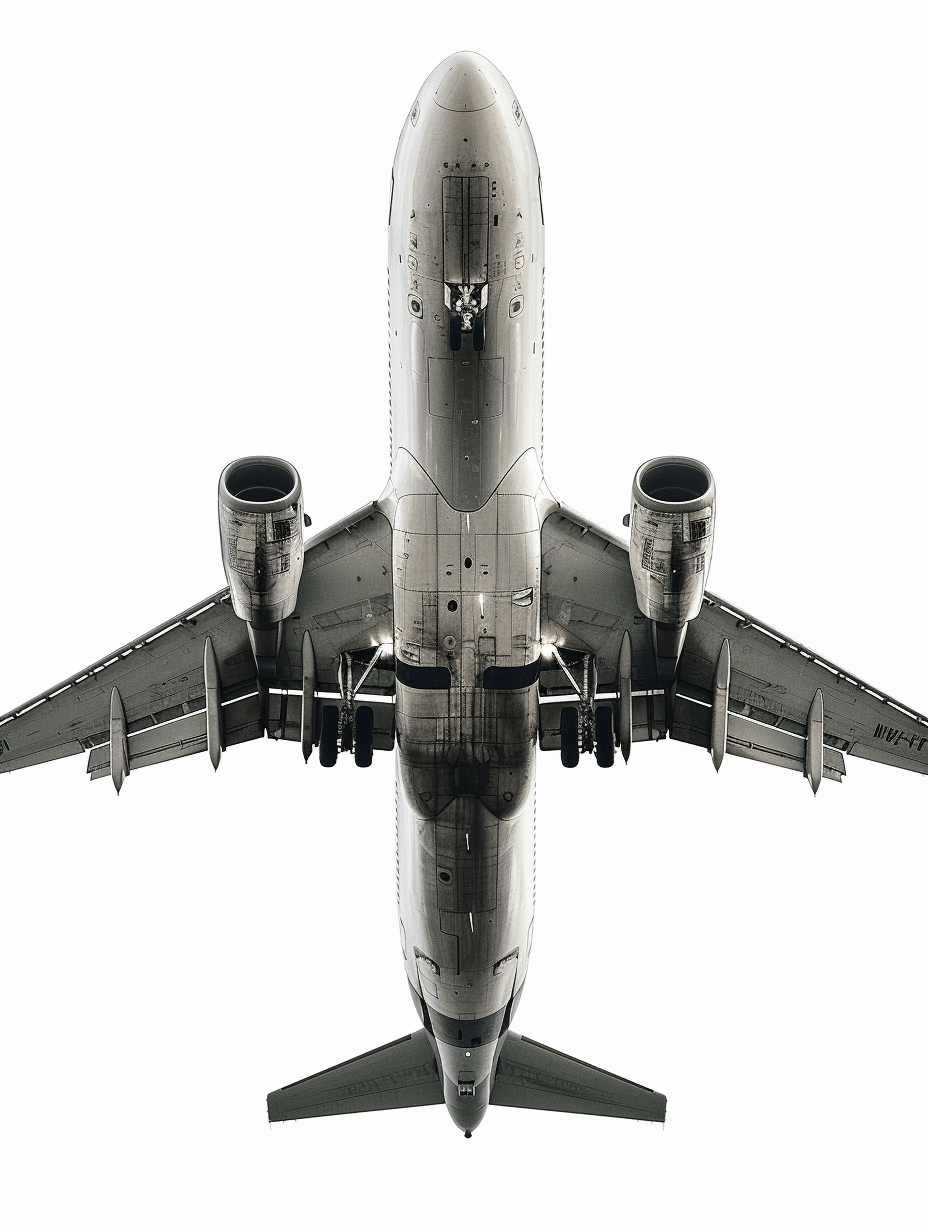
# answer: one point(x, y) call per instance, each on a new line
point(466, 84)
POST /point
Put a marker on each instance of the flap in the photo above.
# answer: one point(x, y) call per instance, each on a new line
point(180, 738)
point(692, 723)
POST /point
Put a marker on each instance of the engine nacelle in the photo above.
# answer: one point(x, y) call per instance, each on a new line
point(673, 509)
point(261, 529)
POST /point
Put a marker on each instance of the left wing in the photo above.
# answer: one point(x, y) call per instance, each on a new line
point(156, 695)
point(589, 606)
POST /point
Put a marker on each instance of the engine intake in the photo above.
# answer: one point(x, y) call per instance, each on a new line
point(261, 531)
point(673, 509)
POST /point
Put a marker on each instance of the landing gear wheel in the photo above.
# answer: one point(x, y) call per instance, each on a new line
point(363, 736)
point(328, 737)
point(570, 737)
point(480, 332)
point(605, 737)
point(455, 331)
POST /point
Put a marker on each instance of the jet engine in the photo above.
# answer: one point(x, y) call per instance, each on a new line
point(673, 507)
point(261, 529)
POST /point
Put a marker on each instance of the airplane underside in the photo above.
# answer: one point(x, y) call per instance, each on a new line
point(467, 620)
point(466, 502)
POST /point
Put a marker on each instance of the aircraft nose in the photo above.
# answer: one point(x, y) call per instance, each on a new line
point(467, 83)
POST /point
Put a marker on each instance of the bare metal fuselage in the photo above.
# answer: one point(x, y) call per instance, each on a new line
point(466, 499)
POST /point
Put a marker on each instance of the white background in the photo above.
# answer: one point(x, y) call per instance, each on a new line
point(192, 234)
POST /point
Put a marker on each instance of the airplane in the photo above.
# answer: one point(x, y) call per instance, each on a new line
point(465, 618)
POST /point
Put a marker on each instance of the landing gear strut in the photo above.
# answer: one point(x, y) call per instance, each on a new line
point(349, 728)
point(581, 731)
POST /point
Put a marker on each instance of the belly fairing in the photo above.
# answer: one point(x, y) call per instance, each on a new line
point(467, 612)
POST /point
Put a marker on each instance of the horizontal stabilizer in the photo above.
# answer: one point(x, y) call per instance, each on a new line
point(531, 1075)
point(398, 1075)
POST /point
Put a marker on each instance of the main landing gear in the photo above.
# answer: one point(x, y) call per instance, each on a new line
point(346, 727)
point(585, 727)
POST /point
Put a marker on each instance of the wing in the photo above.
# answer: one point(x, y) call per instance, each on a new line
point(158, 695)
point(740, 685)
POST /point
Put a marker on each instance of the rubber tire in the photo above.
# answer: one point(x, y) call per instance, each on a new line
point(328, 737)
point(455, 331)
point(570, 737)
point(363, 736)
point(480, 332)
point(604, 736)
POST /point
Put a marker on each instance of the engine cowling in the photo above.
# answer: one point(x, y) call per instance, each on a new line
point(261, 530)
point(673, 510)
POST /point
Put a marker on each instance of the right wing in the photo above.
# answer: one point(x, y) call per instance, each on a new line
point(589, 607)
point(345, 601)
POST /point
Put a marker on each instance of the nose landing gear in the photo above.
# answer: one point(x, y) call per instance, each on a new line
point(467, 306)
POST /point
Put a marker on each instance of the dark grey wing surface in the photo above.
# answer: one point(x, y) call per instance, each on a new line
point(161, 684)
point(398, 1075)
point(345, 601)
point(588, 599)
point(531, 1075)
point(773, 683)
point(588, 604)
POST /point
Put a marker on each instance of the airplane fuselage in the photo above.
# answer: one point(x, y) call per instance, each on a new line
point(466, 500)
